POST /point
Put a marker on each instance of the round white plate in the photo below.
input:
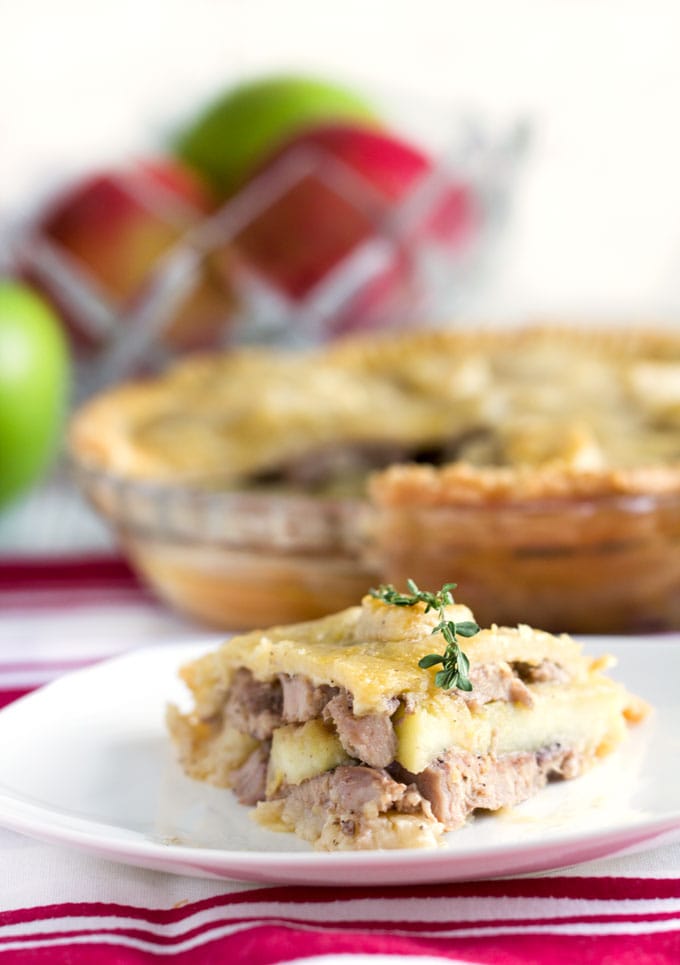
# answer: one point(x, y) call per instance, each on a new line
point(86, 762)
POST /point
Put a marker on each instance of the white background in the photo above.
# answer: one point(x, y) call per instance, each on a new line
point(596, 229)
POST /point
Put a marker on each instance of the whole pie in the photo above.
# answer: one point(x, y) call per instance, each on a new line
point(533, 464)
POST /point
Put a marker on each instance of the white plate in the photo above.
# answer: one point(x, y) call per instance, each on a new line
point(86, 762)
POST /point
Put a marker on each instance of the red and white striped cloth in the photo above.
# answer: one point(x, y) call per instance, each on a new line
point(58, 905)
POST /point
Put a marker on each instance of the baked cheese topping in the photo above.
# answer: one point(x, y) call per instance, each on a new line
point(373, 652)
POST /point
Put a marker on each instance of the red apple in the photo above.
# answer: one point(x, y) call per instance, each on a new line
point(117, 224)
point(108, 232)
point(345, 184)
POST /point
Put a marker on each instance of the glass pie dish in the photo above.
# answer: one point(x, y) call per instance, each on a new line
point(241, 560)
point(438, 457)
point(591, 565)
point(236, 559)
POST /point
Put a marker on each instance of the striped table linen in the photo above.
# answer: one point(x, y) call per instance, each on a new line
point(58, 905)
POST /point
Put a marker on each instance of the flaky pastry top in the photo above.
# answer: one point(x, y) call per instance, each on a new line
point(453, 416)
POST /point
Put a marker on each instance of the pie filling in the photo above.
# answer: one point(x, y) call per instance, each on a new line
point(341, 468)
point(379, 764)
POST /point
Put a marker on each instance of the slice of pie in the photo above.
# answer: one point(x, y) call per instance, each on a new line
point(352, 733)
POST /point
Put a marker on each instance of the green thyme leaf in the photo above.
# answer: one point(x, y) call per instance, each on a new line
point(431, 660)
point(467, 628)
point(455, 664)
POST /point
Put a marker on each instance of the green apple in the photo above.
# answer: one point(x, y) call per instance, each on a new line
point(34, 379)
point(230, 139)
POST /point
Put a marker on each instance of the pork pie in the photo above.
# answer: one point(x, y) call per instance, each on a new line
point(331, 729)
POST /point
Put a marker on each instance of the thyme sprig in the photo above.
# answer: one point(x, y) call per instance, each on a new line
point(455, 664)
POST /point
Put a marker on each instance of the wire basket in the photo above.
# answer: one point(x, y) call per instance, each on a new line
point(308, 250)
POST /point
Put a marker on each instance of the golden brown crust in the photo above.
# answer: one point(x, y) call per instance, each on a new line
point(525, 413)
point(459, 484)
